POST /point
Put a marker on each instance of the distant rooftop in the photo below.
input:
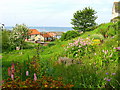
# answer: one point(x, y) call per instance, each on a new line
point(34, 31)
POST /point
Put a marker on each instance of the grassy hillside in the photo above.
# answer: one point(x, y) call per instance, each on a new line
point(98, 65)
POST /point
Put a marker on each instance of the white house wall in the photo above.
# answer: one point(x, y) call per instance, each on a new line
point(36, 37)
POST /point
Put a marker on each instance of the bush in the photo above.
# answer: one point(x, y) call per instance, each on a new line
point(97, 36)
point(27, 45)
point(108, 30)
point(113, 30)
point(69, 35)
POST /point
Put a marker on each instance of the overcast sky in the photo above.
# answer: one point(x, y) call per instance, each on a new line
point(50, 12)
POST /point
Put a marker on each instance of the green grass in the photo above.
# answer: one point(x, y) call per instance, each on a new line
point(89, 74)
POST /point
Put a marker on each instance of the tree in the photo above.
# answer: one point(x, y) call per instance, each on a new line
point(19, 34)
point(6, 41)
point(84, 20)
point(69, 35)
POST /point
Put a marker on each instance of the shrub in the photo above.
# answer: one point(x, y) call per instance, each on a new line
point(97, 36)
point(80, 48)
point(108, 30)
point(113, 30)
point(69, 35)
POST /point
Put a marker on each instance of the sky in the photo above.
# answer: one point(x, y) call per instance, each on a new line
point(51, 13)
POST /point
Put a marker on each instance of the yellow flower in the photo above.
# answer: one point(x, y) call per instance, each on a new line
point(46, 85)
point(96, 40)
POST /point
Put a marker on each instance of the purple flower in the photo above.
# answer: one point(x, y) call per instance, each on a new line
point(113, 73)
point(108, 80)
point(106, 73)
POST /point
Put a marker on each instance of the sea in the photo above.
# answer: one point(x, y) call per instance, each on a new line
point(47, 29)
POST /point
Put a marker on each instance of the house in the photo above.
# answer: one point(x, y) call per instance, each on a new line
point(58, 34)
point(115, 10)
point(35, 35)
point(48, 36)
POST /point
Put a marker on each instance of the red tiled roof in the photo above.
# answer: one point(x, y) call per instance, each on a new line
point(51, 34)
point(33, 31)
point(46, 35)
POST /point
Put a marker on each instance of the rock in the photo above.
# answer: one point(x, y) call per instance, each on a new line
point(65, 60)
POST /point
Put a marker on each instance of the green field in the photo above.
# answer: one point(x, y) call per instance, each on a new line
point(98, 67)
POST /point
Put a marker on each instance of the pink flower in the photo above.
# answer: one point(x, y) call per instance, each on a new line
point(84, 44)
point(118, 48)
point(35, 77)
point(110, 55)
point(27, 73)
point(12, 76)
point(13, 68)
point(80, 46)
point(9, 71)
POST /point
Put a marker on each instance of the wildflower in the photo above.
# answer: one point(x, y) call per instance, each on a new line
point(9, 72)
point(105, 78)
point(110, 55)
point(113, 73)
point(84, 44)
point(27, 73)
point(118, 48)
point(96, 40)
point(94, 53)
point(35, 77)
point(106, 51)
point(102, 50)
point(112, 37)
point(80, 46)
point(62, 45)
point(2, 81)
point(94, 63)
point(12, 76)
point(46, 85)
point(13, 68)
point(108, 80)
point(106, 73)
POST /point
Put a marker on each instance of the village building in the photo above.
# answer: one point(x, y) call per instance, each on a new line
point(115, 11)
point(35, 35)
point(48, 36)
point(58, 34)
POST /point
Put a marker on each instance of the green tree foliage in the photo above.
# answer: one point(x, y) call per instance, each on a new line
point(116, 19)
point(69, 35)
point(84, 19)
point(108, 30)
point(19, 34)
point(6, 42)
